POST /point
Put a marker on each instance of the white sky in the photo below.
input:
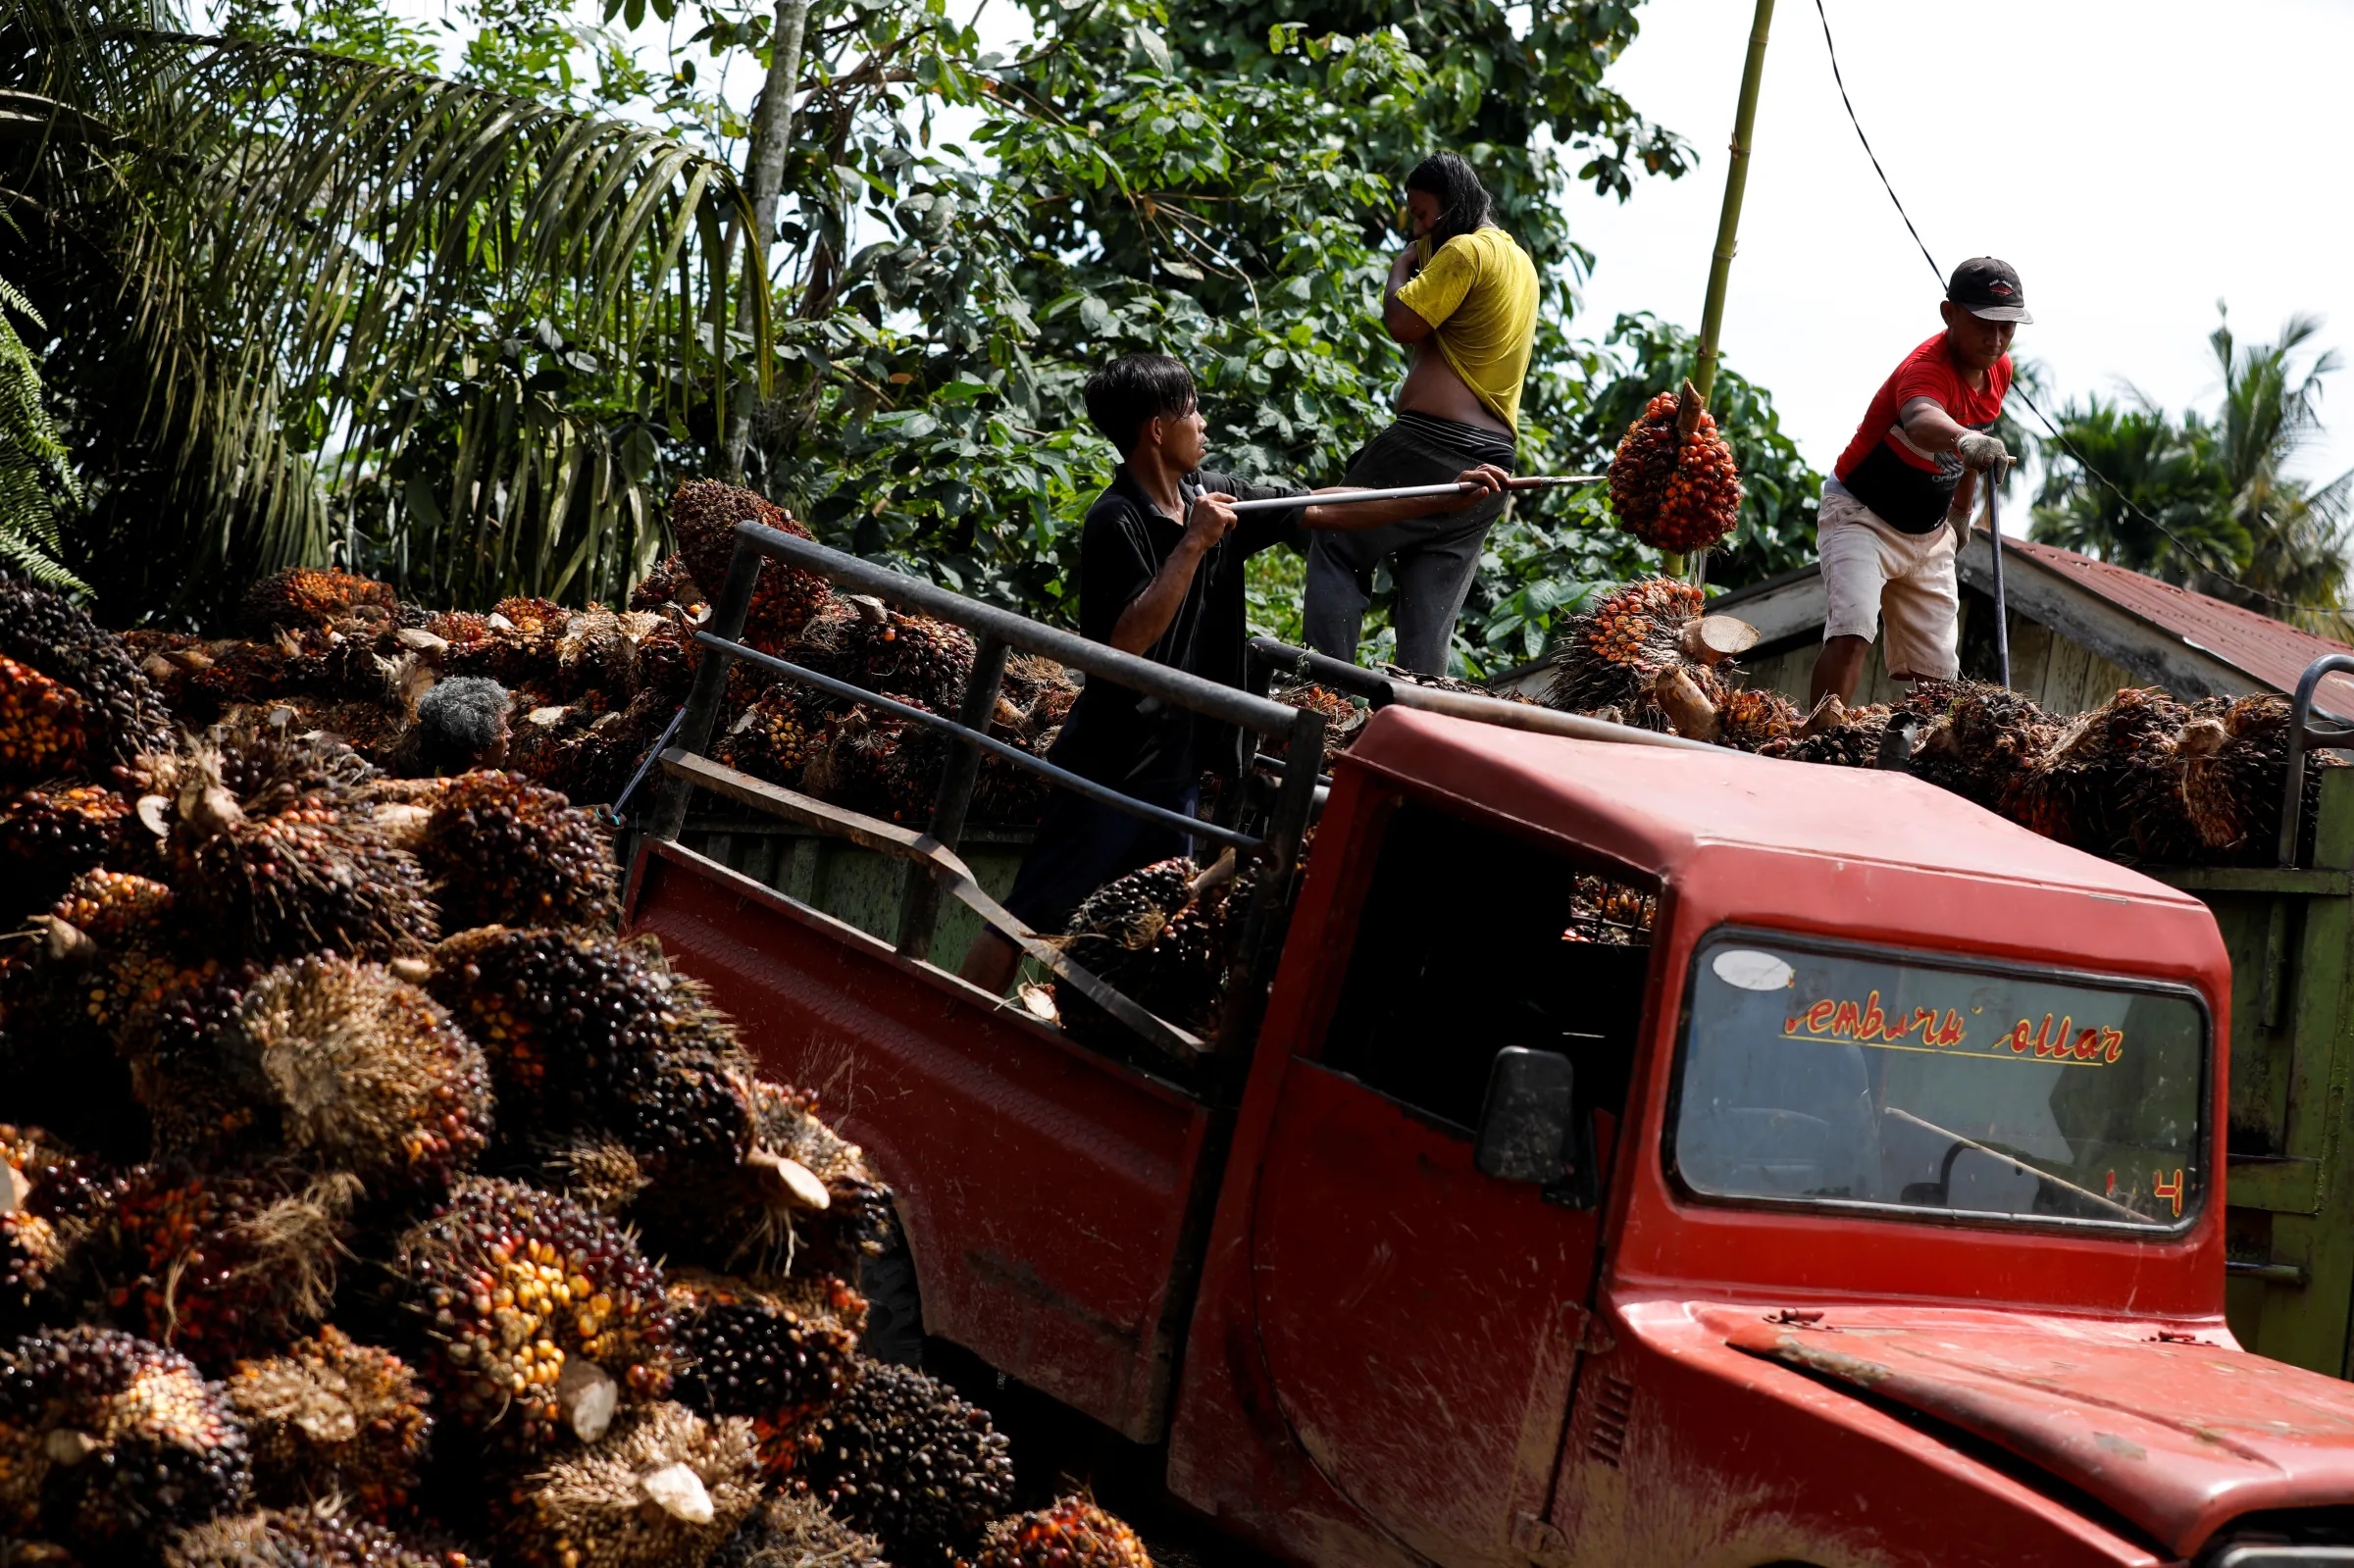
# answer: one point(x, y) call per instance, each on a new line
point(2134, 162)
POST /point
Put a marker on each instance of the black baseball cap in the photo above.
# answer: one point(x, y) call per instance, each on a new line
point(1989, 289)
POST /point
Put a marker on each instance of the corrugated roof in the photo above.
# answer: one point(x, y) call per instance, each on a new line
point(2268, 650)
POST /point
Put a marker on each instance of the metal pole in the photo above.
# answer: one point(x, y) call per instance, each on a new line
point(710, 685)
point(1728, 226)
point(921, 910)
point(2002, 612)
point(1408, 493)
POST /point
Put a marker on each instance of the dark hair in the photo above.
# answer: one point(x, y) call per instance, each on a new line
point(1463, 205)
point(1133, 388)
point(459, 723)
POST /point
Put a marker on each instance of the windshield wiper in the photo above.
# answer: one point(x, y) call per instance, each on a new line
point(2059, 1182)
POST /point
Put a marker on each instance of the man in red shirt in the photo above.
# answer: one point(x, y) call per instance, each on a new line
point(1898, 506)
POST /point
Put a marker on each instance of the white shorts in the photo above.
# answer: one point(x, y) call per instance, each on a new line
point(1873, 575)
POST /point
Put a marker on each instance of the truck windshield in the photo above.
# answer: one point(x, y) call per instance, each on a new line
point(1847, 1075)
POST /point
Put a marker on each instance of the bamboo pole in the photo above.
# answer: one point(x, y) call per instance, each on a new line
point(1728, 219)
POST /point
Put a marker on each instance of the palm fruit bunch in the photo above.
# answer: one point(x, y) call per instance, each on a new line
point(109, 1443)
point(1342, 719)
point(532, 1315)
point(114, 712)
point(1614, 649)
point(345, 1068)
point(663, 1489)
point(1156, 935)
point(1072, 1533)
point(330, 1419)
point(905, 1459)
point(53, 1199)
point(791, 1530)
point(1834, 734)
point(2234, 776)
point(307, 597)
point(274, 858)
point(1611, 913)
point(318, 1535)
point(850, 761)
point(1979, 740)
point(703, 514)
point(1673, 482)
point(2100, 778)
point(775, 1353)
point(803, 1198)
point(222, 1267)
point(50, 836)
point(500, 850)
point(771, 736)
point(669, 582)
point(912, 657)
point(1751, 716)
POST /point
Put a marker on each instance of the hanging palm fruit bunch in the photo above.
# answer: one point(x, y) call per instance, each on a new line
point(661, 1490)
point(1979, 739)
point(1673, 484)
point(71, 699)
point(776, 1354)
point(533, 1317)
point(1072, 1533)
point(500, 850)
point(703, 514)
point(112, 1443)
point(2084, 789)
point(905, 1459)
point(332, 1419)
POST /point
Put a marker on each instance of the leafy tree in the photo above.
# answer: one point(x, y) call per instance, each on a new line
point(35, 472)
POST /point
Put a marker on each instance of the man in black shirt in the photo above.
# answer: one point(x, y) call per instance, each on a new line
point(1171, 591)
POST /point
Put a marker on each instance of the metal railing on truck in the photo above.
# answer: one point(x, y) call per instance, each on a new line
point(1268, 814)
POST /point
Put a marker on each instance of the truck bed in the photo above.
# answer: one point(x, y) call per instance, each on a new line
point(1049, 1196)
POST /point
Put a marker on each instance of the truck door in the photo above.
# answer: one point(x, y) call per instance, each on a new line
point(1420, 1320)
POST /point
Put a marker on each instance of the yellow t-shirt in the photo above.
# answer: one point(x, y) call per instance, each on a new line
point(1479, 294)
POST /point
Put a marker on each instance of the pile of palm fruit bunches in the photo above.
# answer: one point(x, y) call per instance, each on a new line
point(2142, 778)
point(365, 1200)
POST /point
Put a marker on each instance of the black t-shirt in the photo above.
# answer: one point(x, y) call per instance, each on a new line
point(1141, 743)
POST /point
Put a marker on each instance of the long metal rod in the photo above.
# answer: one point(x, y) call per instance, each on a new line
point(2002, 610)
point(710, 686)
point(2300, 737)
point(1409, 492)
point(1013, 754)
point(1191, 691)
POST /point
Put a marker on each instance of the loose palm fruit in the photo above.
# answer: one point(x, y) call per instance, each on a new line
point(308, 597)
point(1072, 1534)
point(121, 713)
point(777, 1353)
point(510, 1286)
point(906, 1459)
point(661, 1490)
point(108, 1442)
point(502, 851)
point(331, 1418)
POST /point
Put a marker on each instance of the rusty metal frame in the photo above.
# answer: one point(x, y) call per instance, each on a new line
point(2303, 738)
point(1300, 733)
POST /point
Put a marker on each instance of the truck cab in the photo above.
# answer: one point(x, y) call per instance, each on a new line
point(1646, 1155)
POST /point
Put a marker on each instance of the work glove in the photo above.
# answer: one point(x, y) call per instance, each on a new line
point(1980, 452)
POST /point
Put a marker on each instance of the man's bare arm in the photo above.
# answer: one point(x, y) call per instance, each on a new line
point(1403, 324)
point(1930, 428)
point(1150, 613)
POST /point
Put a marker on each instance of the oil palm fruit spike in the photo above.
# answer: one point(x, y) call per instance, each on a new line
point(792, 1529)
point(703, 514)
point(318, 1535)
point(1130, 911)
point(803, 1199)
point(332, 1418)
point(500, 850)
point(51, 835)
point(1979, 739)
point(2235, 772)
point(219, 1266)
point(1853, 742)
point(595, 1171)
point(1344, 720)
point(777, 1353)
point(771, 738)
point(111, 1442)
point(661, 1490)
point(44, 723)
point(912, 657)
point(2080, 788)
point(309, 596)
point(669, 582)
point(1616, 647)
point(1674, 482)
point(1751, 716)
point(1071, 1534)
point(510, 1286)
point(123, 714)
point(363, 1073)
point(50, 1203)
point(904, 1459)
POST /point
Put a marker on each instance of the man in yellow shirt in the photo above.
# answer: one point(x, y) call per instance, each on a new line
point(1464, 297)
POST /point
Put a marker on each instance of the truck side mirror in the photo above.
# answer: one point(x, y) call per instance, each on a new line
point(1526, 1123)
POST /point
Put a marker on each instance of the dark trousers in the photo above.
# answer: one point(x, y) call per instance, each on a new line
point(1432, 559)
point(1083, 843)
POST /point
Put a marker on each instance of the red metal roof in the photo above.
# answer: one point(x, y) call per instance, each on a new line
point(2268, 650)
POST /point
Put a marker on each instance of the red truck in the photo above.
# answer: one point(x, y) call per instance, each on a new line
point(1647, 1154)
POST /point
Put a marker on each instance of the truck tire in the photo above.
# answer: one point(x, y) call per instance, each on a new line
point(895, 1315)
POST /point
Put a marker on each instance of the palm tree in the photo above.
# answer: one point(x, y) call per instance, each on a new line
point(277, 276)
point(2162, 511)
point(33, 468)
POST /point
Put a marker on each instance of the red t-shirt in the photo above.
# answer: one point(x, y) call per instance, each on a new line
point(1910, 488)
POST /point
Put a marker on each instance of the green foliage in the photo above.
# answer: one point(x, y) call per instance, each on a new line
point(2218, 509)
point(35, 470)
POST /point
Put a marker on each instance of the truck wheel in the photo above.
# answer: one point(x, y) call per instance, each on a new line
point(895, 1317)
